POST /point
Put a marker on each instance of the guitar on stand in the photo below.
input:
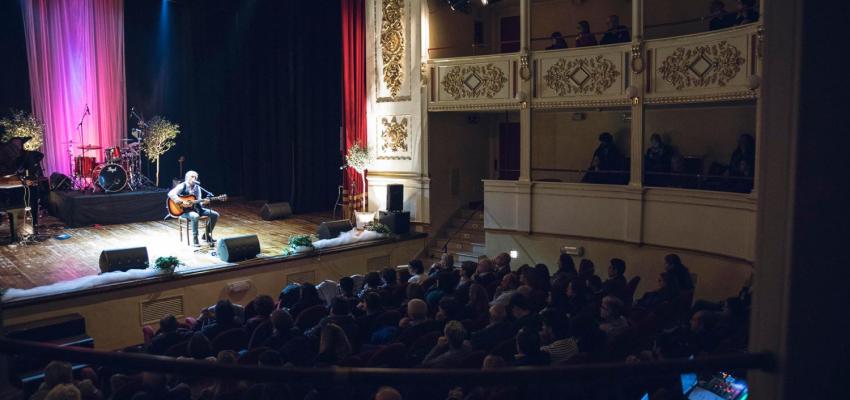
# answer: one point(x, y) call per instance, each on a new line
point(176, 209)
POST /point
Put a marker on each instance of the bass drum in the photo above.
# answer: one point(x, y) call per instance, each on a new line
point(110, 177)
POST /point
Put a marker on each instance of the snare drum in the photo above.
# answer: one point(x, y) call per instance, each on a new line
point(110, 177)
point(112, 154)
point(83, 166)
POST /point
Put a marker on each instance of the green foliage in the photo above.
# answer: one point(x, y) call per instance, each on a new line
point(23, 125)
point(159, 138)
point(167, 264)
point(300, 241)
point(378, 227)
point(359, 157)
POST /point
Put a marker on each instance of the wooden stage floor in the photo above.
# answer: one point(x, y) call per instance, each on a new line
point(30, 264)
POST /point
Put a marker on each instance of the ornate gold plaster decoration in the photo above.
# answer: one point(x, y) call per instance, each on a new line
point(581, 75)
point(733, 96)
point(392, 44)
point(524, 70)
point(394, 138)
point(474, 81)
point(702, 66)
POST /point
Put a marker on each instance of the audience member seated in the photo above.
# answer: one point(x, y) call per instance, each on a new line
point(346, 291)
point(747, 12)
point(502, 263)
point(451, 348)
point(309, 298)
point(447, 263)
point(467, 272)
point(284, 330)
point(720, 18)
point(288, 296)
point(524, 318)
point(263, 305)
point(657, 161)
point(340, 316)
point(558, 42)
point(528, 350)
point(566, 267)
point(372, 307)
point(606, 165)
point(555, 338)
point(613, 323)
point(391, 292)
point(417, 270)
point(498, 330)
point(477, 305)
point(225, 388)
point(334, 345)
point(168, 335)
point(585, 37)
point(223, 319)
point(673, 265)
point(667, 292)
point(446, 283)
point(616, 284)
point(372, 283)
point(616, 33)
point(742, 164)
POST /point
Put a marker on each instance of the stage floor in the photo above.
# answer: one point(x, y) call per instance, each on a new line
point(27, 265)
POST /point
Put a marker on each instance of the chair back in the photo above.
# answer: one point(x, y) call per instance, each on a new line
point(232, 339)
point(390, 356)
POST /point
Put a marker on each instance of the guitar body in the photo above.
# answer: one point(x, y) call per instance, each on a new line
point(176, 209)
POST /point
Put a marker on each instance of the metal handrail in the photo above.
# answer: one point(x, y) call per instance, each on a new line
point(345, 375)
point(469, 218)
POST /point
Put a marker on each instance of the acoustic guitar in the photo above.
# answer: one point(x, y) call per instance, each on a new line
point(177, 209)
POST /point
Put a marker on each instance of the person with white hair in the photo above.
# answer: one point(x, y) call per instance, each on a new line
point(194, 208)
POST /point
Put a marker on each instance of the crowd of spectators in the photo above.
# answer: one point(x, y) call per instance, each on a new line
point(481, 315)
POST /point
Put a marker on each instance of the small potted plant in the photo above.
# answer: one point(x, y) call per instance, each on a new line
point(167, 265)
point(300, 244)
point(378, 228)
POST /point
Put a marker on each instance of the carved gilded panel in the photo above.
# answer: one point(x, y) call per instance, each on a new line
point(582, 77)
point(715, 66)
point(394, 138)
point(393, 58)
point(474, 81)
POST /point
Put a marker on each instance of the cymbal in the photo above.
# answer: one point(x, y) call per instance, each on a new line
point(127, 140)
point(89, 147)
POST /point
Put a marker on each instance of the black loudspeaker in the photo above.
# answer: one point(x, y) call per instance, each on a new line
point(395, 197)
point(332, 229)
point(123, 259)
point(272, 211)
point(238, 248)
point(398, 222)
point(59, 182)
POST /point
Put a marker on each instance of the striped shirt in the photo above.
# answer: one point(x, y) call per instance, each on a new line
point(561, 350)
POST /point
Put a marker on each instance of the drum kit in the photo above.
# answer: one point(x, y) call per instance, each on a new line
point(121, 167)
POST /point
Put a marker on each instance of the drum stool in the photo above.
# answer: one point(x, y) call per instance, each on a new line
point(180, 221)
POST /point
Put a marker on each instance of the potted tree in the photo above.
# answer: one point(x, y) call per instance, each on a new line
point(359, 158)
point(300, 244)
point(23, 125)
point(159, 139)
point(167, 265)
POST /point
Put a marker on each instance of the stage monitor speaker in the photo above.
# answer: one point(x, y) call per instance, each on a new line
point(332, 229)
point(123, 259)
point(398, 222)
point(59, 182)
point(238, 248)
point(395, 197)
point(272, 211)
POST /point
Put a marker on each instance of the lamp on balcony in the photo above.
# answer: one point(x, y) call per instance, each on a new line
point(632, 94)
point(522, 99)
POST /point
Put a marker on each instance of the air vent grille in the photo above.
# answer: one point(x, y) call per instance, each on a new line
point(154, 310)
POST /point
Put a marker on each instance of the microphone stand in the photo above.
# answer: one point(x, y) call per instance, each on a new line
point(82, 143)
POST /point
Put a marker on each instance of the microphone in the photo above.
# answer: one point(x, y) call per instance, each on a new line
point(197, 182)
point(87, 110)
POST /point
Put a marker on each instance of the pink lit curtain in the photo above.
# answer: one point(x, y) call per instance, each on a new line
point(75, 51)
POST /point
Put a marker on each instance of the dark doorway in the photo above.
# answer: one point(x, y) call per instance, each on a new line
point(508, 161)
point(509, 35)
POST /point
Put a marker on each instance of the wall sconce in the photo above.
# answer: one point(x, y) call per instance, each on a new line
point(514, 254)
point(632, 94)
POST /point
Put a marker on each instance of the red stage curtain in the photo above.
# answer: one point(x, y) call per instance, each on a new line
point(75, 52)
point(353, 93)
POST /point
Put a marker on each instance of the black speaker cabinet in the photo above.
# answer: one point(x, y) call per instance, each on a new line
point(60, 182)
point(238, 248)
point(272, 211)
point(395, 197)
point(332, 229)
point(398, 222)
point(123, 259)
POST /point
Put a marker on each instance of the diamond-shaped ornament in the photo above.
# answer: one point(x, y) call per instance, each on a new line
point(472, 81)
point(701, 66)
point(579, 76)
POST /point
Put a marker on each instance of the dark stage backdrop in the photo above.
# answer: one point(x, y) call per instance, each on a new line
point(14, 76)
point(255, 86)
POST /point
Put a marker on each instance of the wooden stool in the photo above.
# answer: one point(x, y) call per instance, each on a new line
point(188, 221)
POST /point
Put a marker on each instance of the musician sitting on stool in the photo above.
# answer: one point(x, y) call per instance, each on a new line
point(191, 187)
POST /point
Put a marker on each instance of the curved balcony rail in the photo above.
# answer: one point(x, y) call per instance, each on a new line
point(474, 83)
point(715, 66)
point(344, 377)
